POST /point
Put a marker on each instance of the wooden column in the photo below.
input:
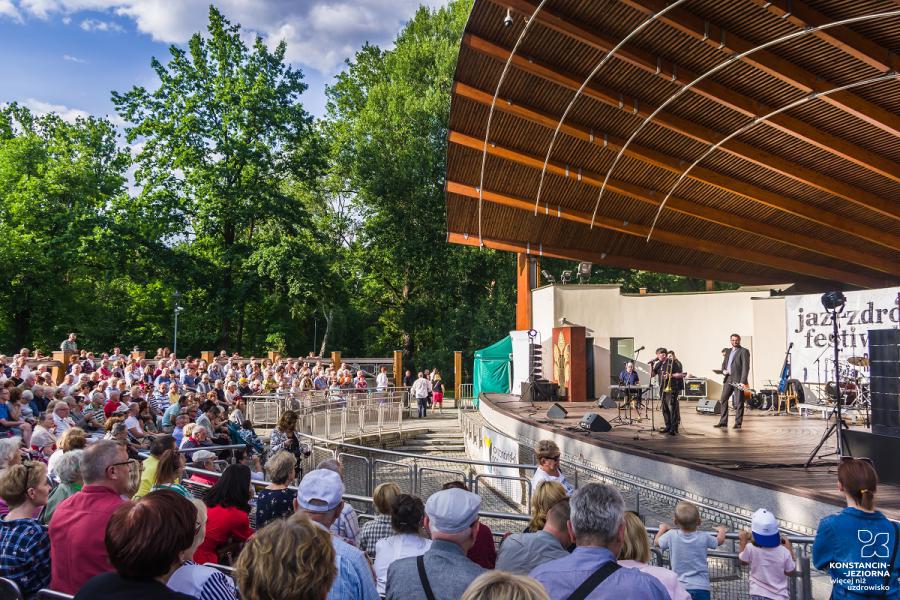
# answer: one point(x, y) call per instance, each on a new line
point(710, 285)
point(457, 375)
point(208, 355)
point(336, 359)
point(527, 268)
point(398, 368)
point(139, 355)
point(59, 371)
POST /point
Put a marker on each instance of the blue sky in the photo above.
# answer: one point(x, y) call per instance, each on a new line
point(68, 55)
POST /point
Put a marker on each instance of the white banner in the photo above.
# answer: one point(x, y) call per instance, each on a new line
point(810, 329)
point(498, 448)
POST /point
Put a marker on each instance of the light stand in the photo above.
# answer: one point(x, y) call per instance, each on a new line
point(834, 302)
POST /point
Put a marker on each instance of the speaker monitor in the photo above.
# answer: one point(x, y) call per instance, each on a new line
point(594, 422)
point(557, 412)
point(606, 402)
point(709, 406)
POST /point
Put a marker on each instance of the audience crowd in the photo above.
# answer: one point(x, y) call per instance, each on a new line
point(98, 502)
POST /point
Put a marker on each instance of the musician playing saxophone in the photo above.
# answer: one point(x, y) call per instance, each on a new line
point(670, 376)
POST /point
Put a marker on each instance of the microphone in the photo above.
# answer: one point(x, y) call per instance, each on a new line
point(639, 349)
point(653, 360)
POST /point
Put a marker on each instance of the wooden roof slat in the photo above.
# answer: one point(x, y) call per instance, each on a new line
point(766, 60)
point(720, 217)
point(692, 130)
point(727, 97)
point(677, 239)
point(801, 209)
point(843, 38)
point(606, 259)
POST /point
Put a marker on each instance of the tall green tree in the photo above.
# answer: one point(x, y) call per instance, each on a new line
point(58, 181)
point(388, 116)
point(221, 134)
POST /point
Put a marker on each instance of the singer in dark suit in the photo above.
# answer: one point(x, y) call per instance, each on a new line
point(736, 368)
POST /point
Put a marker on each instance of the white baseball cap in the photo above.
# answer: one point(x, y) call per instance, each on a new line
point(453, 510)
point(320, 491)
point(765, 529)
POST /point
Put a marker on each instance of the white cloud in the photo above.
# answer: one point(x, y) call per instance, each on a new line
point(98, 25)
point(320, 33)
point(74, 59)
point(8, 9)
point(42, 108)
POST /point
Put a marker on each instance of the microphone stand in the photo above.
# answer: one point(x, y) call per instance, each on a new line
point(819, 370)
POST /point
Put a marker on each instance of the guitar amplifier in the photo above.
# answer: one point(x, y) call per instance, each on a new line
point(695, 387)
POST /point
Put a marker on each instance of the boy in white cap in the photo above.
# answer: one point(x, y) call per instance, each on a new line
point(443, 572)
point(770, 556)
point(320, 497)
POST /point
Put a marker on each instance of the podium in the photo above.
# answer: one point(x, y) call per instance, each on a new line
point(569, 362)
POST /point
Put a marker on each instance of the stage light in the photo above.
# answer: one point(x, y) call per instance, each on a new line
point(546, 275)
point(566, 276)
point(584, 271)
point(833, 300)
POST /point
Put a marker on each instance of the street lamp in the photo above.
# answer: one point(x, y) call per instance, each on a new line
point(176, 296)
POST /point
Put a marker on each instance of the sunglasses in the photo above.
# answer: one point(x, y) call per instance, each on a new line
point(553, 458)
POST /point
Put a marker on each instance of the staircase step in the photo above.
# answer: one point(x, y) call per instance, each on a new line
point(440, 448)
point(432, 442)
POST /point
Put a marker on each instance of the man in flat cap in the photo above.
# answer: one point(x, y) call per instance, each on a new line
point(320, 496)
point(443, 572)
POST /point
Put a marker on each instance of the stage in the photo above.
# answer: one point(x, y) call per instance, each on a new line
point(761, 464)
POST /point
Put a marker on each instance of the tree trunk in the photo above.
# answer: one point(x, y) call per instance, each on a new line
point(329, 316)
point(227, 288)
point(240, 329)
point(22, 330)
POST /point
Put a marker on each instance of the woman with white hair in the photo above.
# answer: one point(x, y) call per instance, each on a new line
point(68, 471)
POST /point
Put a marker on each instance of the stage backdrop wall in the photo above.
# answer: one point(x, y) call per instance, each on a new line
point(809, 327)
point(696, 325)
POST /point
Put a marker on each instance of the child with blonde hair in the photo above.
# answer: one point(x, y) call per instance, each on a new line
point(687, 549)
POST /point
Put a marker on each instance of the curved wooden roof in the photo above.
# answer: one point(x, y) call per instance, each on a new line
point(807, 189)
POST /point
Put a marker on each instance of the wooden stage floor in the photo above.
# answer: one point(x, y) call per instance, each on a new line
point(769, 450)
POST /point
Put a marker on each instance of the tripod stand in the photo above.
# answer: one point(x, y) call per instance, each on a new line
point(833, 301)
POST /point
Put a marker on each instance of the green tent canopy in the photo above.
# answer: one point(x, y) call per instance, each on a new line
point(491, 371)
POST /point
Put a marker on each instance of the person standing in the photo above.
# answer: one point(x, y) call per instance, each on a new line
point(664, 369)
point(420, 390)
point(69, 344)
point(736, 369)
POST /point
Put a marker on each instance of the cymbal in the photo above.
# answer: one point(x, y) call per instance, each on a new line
point(858, 361)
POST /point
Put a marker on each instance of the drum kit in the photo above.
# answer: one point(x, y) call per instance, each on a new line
point(854, 386)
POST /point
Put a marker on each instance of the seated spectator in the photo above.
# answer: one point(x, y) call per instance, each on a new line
point(112, 404)
point(483, 552)
point(249, 437)
point(198, 438)
point(94, 415)
point(687, 549)
point(770, 556)
point(276, 501)
point(170, 415)
point(523, 552)
point(181, 421)
point(147, 541)
point(320, 497)
point(635, 554)
point(24, 543)
point(839, 545)
point(68, 471)
point(228, 517)
point(346, 526)
point(44, 436)
point(77, 529)
point(169, 472)
point(134, 424)
point(295, 548)
point(10, 455)
point(148, 421)
point(206, 461)
point(199, 581)
point(548, 455)
point(495, 585)
point(597, 525)
point(380, 527)
point(544, 498)
point(452, 518)
point(237, 413)
point(406, 517)
point(9, 424)
point(187, 434)
point(158, 446)
point(208, 417)
point(73, 439)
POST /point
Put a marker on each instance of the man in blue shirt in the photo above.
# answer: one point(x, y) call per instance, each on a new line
point(597, 525)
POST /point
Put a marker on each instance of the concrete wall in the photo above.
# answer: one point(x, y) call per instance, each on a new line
point(696, 325)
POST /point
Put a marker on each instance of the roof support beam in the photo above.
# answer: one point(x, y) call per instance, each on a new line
point(769, 62)
point(844, 38)
point(622, 262)
point(724, 96)
point(641, 194)
point(796, 267)
point(673, 165)
point(689, 129)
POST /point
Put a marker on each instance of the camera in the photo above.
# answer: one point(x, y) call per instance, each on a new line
point(508, 20)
